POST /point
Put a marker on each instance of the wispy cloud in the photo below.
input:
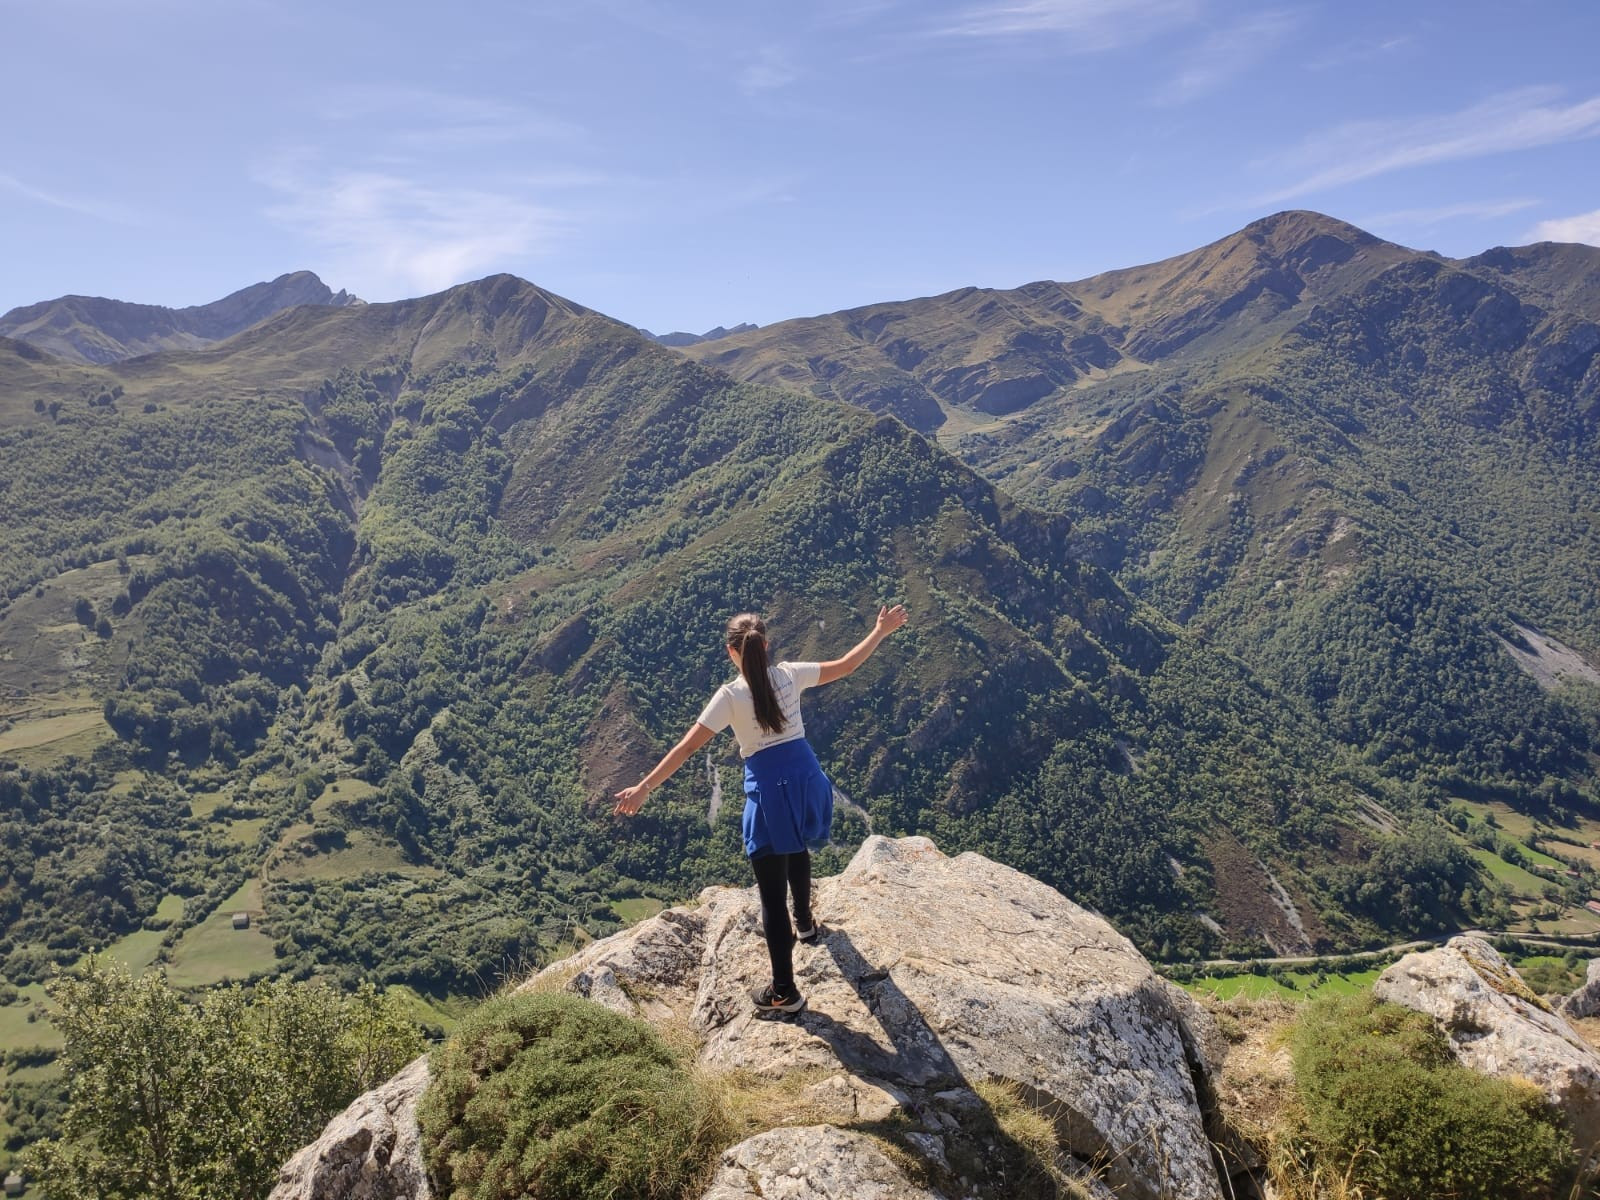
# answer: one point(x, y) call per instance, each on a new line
point(1085, 25)
point(100, 211)
point(1227, 54)
point(1359, 150)
point(1427, 218)
point(770, 70)
point(1352, 53)
point(386, 233)
point(423, 118)
point(1585, 227)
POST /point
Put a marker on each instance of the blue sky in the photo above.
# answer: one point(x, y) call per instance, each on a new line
point(684, 165)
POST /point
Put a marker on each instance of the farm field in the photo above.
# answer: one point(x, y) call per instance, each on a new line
point(215, 952)
point(1294, 987)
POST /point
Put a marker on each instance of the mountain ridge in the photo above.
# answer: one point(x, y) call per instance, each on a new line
point(95, 329)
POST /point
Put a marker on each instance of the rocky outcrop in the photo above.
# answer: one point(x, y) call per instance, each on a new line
point(935, 977)
point(1496, 1024)
point(1585, 1001)
point(371, 1151)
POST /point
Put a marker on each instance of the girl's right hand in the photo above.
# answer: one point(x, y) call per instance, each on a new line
point(629, 800)
point(890, 619)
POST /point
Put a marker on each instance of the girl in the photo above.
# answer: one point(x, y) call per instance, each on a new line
point(788, 800)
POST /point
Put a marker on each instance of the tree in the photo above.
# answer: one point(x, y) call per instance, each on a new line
point(182, 1100)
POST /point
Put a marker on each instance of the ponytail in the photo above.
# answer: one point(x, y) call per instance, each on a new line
point(747, 633)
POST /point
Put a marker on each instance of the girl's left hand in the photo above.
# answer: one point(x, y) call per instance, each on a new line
point(629, 800)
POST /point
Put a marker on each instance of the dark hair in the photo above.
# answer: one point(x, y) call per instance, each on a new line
point(747, 633)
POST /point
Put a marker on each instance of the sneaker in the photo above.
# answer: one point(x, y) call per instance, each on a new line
point(809, 936)
point(766, 1000)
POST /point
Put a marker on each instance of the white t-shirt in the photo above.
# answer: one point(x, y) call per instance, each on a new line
point(731, 705)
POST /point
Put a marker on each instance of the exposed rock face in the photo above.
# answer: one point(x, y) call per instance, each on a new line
point(817, 1162)
point(1585, 1001)
point(1497, 1025)
point(934, 975)
point(371, 1151)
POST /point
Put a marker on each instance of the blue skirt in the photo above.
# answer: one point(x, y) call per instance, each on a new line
point(788, 801)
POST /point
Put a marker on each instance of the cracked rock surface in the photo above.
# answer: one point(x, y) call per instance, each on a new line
point(934, 976)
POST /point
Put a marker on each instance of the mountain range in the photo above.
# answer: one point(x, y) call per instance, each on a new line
point(1252, 601)
point(91, 329)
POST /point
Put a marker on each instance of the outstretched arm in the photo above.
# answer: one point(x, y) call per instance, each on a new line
point(889, 619)
point(629, 799)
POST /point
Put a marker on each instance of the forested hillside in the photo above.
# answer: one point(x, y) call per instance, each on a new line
point(1367, 471)
point(355, 620)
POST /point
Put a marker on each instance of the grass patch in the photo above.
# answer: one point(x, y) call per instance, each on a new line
point(137, 950)
point(1293, 986)
point(362, 855)
point(17, 1030)
point(215, 952)
point(45, 730)
point(202, 805)
point(636, 909)
point(550, 1095)
point(1521, 882)
point(245, 831)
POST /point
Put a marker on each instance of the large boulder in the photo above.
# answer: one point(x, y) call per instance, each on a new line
point(936, 978)
point(1496, 1024)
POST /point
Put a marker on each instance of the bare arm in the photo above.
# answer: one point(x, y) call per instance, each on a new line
point(629, 799)
point(889, 619)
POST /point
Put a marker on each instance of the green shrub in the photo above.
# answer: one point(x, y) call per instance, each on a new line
point(553, 1096)
point(1383, 1093)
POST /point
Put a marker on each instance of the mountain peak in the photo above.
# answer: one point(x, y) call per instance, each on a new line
point(1299, 225)
point(95, 329)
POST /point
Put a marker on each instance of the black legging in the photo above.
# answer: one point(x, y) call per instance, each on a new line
point(776, 875)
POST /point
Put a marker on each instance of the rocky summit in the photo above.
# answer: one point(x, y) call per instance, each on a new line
point(935, 977)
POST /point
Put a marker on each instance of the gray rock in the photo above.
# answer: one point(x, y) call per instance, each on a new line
point(813, 1162)
point(1585, 1001)
point(937, 973)
point(371, 1151)
point(935, 977)
point(1497, 1025)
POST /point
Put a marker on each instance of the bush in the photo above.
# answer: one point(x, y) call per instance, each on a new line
point(1384, 1094)
point(550, 1095)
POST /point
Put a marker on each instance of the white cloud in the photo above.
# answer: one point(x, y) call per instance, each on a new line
point(1088, 25)
point(386, 233)
point(1227, 54)
point(1585, 227)
point(1360, 150)
point(1426, 218)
